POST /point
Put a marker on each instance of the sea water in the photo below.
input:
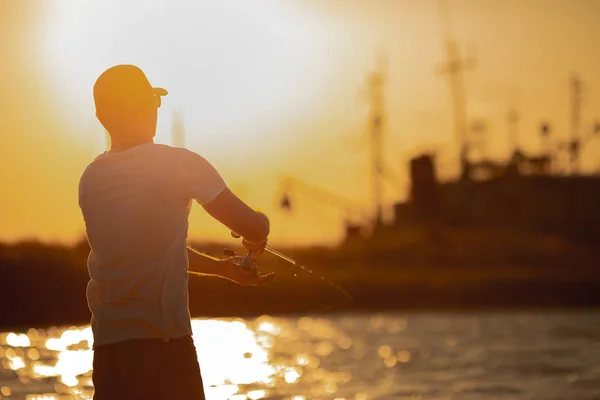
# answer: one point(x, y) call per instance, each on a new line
point(411, 356)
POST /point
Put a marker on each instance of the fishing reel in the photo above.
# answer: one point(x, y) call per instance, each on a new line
point(246, 263)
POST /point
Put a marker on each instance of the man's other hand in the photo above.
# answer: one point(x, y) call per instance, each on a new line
point(234, 273)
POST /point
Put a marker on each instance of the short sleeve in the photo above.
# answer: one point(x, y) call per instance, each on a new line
point(198, 179)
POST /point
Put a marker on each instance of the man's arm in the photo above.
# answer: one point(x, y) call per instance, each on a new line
point(231, 211)
point(201, 181)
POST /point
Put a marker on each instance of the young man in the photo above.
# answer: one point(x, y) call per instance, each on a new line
point(135, 201)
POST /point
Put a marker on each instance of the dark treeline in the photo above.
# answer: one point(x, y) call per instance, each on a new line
point(44, 285)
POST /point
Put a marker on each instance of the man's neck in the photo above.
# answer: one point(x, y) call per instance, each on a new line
point(124, 145)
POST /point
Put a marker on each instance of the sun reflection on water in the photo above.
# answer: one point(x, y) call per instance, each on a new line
point(345, 357)
point(240, 359)
point(15, 340)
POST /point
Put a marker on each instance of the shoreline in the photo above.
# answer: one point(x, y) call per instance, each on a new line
point(239, 306)
point(540, 310)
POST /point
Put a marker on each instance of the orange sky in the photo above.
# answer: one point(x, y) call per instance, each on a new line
point(270, 88)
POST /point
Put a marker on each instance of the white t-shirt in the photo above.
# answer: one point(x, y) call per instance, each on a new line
point(135, 204)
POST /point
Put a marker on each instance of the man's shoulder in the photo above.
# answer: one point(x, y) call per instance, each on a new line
point(183, 157)
point(172, 151)
point(194, 160)
point(92, 166)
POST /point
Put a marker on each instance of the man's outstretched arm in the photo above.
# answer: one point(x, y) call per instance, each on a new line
point(201, 181)
point(231, 211)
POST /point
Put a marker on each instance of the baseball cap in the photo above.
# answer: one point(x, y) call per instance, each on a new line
point(125, 87)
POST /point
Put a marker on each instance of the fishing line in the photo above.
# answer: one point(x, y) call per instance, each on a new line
point(295, 264)
point(308, 271)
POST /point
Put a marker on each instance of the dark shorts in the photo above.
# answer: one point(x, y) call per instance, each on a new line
point(147, 369)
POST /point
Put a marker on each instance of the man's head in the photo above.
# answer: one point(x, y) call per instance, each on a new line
point(126, 103)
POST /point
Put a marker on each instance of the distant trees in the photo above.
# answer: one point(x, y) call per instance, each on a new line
point(43, 283)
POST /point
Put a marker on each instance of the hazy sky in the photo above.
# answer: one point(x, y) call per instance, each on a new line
point(273, 88)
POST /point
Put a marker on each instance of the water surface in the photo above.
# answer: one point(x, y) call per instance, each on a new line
point(345, 357)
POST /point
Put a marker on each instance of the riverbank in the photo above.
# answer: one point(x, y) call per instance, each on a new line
point(44, 285)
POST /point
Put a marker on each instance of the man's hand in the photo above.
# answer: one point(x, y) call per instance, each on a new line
point(255, 248)
point(229, 270)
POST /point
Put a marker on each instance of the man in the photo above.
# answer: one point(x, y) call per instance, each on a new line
point(135, 201)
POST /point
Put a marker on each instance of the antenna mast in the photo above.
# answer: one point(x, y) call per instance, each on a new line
point(454, 67)
point(512, 119)
point(376, 81)
point(574, 145)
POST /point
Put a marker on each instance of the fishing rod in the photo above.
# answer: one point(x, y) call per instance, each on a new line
point(248, 265)
point(310, 272)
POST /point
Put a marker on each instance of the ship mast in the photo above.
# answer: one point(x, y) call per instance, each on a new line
point(512, 119)
point(574, 145)
point(453, 68)
point(376, 82)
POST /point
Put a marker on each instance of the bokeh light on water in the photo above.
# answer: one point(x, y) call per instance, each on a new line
point(344, 357)
point(239, 359)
